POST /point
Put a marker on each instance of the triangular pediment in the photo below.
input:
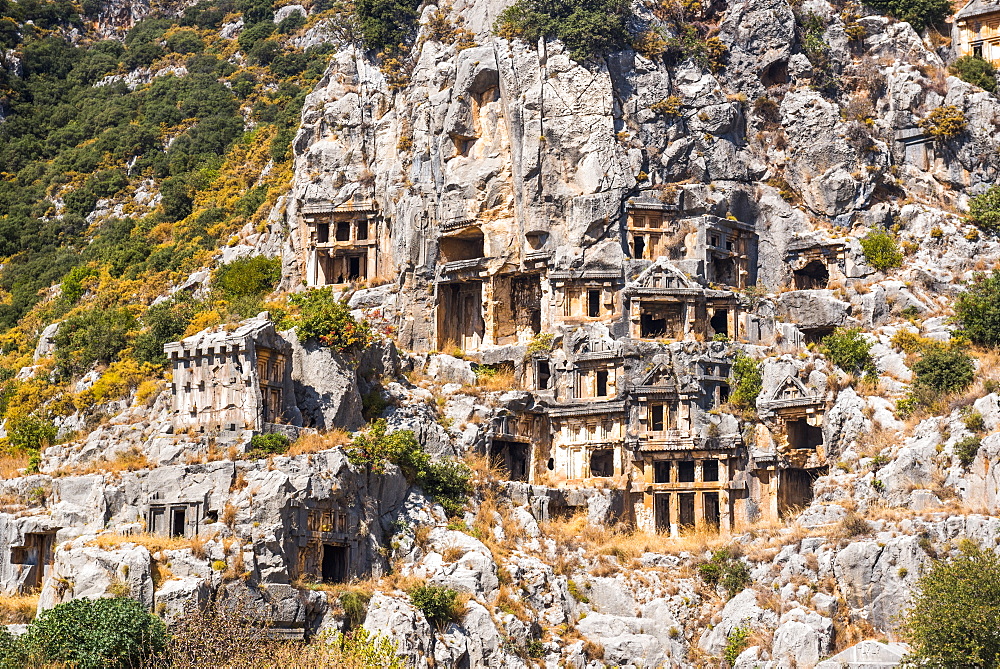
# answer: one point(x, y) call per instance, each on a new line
point(663, 274)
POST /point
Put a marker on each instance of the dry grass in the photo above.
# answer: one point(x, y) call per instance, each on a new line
point(508, 602)
point(483, 469)
point(130, 460)
point(11, 464)
point(153, 542)
point(500, 380)
point(18, 609)
point(315, 442)
point(229, 515)
point(239, 483)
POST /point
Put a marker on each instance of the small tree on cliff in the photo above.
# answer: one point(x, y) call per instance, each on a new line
point(954, 620)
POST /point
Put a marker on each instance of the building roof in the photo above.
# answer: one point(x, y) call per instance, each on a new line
point(977, 8)
point(215, 337)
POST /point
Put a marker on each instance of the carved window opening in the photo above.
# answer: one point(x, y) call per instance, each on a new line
point(543, 374)
point(720, 322)
point(602, 383)
point(710, 505)
point(686, 509)
point(466, 246)
point(814, 275)
point(343, 231)
point(685, 471)
point(661, 512)
point(802, 435)
point(710, 470)
point(661, 471)
point(593, 303)
point(335, 563)
point(661, 320)
point(602, 462)
point(513, 457)
point(638, 247)
point(323, 233)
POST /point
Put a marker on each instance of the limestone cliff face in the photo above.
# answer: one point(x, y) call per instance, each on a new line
point(519, 139)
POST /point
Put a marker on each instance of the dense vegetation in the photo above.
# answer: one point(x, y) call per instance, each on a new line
point(918, 13)
point(976, 71)
point(86, 633)
point(848, 349)
point(984, 210)
point(94, 130)
point(881, 250)
point(588, 28)
point(978, 309)
point(955, 614)
point(445, 481)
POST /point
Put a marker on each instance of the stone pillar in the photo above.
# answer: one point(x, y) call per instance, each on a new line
point(675, 514)
point(725, 519)
point(312, 268)
point(699, 509)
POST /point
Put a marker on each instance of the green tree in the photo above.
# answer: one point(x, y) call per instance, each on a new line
point(95, 633)
point(747, 382)
point(849, 350)
point(440, 605)
point(164, 322)
point(445, 481)
point(385, 24)
point(588, 28)
point(30, 433)
point(944, 369)
point(984, 210)
point(243, 283)
point(96, 335)
point(881, 250)
point(954, 620)
point(978, 309)
point(976, 71)
point(324, 318)
point(918, 13)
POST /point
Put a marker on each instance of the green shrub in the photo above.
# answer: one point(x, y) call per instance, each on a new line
point(96, 335)
point(263, 445)
point(849, 350)
point(984, 210)
point(978, 309)
point(95, 633)
point(966, 450)
point(690, 43)
point(163, 323)
point(385, 24)
point(185, 41)
point(243, 283)
point(440, 605)
point(355, 603)
point(955, 612)
point(588, 28)
point(747, 383)
point(976, 71)
point(329, 321)
point(446, 481)
point(881, 250)
point(736, 643)
point(918, 13)
point(973, 420)
point(945, 122)
point(30, 433)
point(727, 570)
point(944, 369)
